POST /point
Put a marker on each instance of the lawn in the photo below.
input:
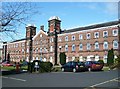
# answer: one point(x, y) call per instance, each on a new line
point(14, 68)
point(105, 68)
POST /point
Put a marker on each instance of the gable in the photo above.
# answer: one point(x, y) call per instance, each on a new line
point(38, 35)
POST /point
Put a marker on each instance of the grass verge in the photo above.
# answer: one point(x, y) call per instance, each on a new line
point(10, 68)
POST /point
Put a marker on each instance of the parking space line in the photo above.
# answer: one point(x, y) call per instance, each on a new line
point(14, 78)
point(104, 82)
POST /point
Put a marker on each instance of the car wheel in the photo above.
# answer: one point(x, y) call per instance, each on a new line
point(89, 69)
point(74, 70)
point(63, 69)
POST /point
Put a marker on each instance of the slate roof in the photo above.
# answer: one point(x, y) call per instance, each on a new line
point(91, 27)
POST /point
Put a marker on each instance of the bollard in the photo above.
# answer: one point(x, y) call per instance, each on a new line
point(17, 68)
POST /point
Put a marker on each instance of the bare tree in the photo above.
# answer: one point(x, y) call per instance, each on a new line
point(15, 14)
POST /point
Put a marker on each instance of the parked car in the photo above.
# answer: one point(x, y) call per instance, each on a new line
point(74, 66)
point(24, 63)
point(6, 63)
point(93, 65)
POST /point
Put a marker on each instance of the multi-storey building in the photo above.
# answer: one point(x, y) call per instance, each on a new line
point(86, 43)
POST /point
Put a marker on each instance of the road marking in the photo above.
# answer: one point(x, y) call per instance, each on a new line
point(14, 78)
point(17, 79)
point(104, 82)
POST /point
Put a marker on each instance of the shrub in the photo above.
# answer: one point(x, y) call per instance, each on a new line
point(45, 67)
point(101, 61)
point(110, 59)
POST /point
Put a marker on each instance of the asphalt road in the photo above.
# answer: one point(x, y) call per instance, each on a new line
point(108, 79)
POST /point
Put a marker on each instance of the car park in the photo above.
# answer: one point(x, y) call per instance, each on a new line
point(73, 66)
point(93, 65)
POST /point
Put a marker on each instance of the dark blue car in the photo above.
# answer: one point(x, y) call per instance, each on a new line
point(74, 66)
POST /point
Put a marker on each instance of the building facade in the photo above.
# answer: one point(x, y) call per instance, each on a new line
point(85, 43)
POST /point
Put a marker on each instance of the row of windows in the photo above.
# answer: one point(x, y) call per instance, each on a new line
point(88, 46)
point(96, 35)
point(37, 50)
point(96, 45)
point(16, 45)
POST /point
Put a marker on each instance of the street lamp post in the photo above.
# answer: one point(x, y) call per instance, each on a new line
point(55, 45)
point(30, 50)
point(119, 38)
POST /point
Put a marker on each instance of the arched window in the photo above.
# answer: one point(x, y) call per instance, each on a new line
point(88, 36)
point(115, 32)
point(73, 47)
point(96, 45)
point(80, 36)
point(96, 35)
point(66, 38)
point(115, 44)
point(81, 46)
point(66, 47)
point(105, 45)
point(88, 46)
point(73, 37)
point(105, 33)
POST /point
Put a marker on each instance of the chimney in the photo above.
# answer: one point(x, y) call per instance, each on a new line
point(42, 27)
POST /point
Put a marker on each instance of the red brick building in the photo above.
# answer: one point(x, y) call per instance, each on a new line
point(86, 43)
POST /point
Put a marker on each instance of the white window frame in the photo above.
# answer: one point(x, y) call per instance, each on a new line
point(73, 37)
point(105, 35)
point(66, 38)
point(96, 45)
point(66, 47)
point(88, 37)
point(51, 59)
point(73, 47)
point(80, 36)
point(97, 35)
point(36, 50)
point(115, 47)
point(80, 46)
point(51, 48)
point(105, 42)
point(40, 50)
point(115, 34)
point(51, 39)
point(88, 46)
point(27, 50)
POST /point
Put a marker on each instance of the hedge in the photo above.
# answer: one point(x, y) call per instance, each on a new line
point(43, 66)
